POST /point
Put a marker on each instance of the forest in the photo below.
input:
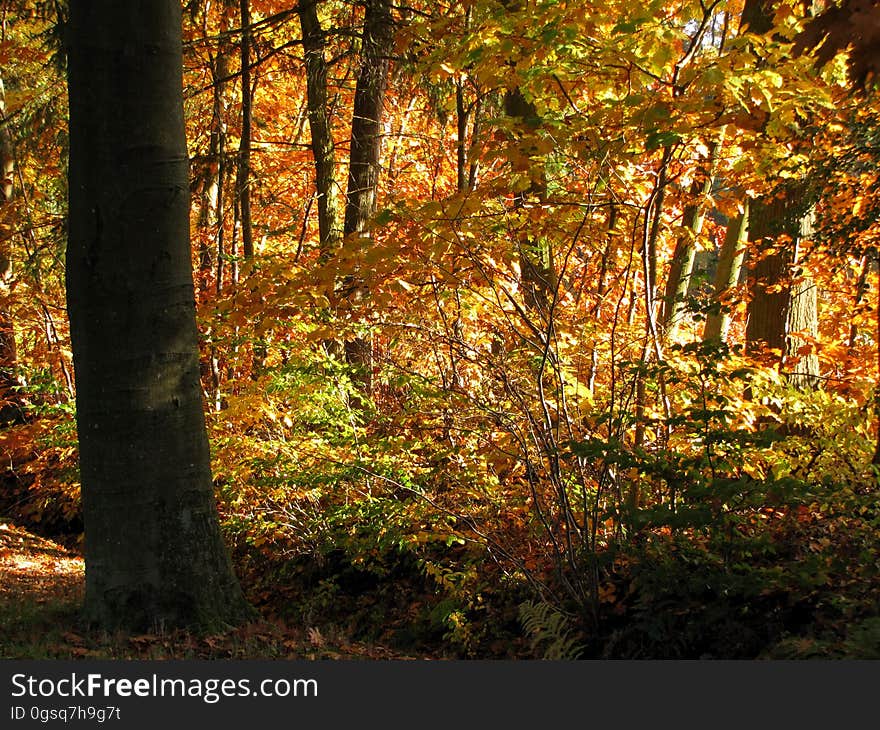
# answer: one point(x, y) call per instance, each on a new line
point(489, 329)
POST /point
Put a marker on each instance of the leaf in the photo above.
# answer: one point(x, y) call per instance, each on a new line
point(657, 139)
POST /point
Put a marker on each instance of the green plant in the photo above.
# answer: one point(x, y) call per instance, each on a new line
point(551, 633)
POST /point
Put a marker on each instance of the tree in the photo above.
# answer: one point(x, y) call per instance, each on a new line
point(682, 265)
point(242, 177)
point(535, 257)
point(364, 158)
point(730, 261)
point(213, 168)
point(153, 549)
point(323, 150)
point(783, 300)
point(10, 409)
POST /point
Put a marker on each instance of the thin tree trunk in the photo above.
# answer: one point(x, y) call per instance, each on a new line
point(537, 269)
point(154, 554)
point(474, 169)
point(402, 129)
point(802, 317)
point(461, 128)
point(601, 289)
point(211, 208)
point(10, 399)
point(364, 161)
point(462, 115)
point(861, 289)
point(242, 183)
point(323, 148)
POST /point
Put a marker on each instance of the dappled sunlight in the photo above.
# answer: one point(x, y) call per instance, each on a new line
point(545, 329)
point(36, 569)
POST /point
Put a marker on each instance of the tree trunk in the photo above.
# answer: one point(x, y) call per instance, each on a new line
point(783, 301)
point(323, 147)
point(243, 173)
point(769, 292)
point(154, 554)
point(682, 266)
point(214, 166)
point(802, 317)
point(869, 259)
point(537, 267)
point(364, 160)
point(10, 399)
point(461, 145)
point(366, 122)
point(730, 262)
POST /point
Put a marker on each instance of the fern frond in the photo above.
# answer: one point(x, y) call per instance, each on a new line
point(549, 630)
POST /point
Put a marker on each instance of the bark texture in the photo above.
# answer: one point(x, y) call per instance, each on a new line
point(323, 148)
point(364, 159)
point(243, 173)
point(10, 400)
point(783, 298)
point(730, 261)
point(154, 553)
point(538, 271)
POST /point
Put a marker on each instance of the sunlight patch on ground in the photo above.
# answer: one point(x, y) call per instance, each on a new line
point(33, 564)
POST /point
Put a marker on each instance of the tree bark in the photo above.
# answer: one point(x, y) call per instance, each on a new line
point(783, 300)
point(682, 266)
point(537, 267)
point(769, 296)
point(214, 165)
point(364, 160)
point(730, 262)
point(367, 114)
point(802, 317)
point(461, 145)
point(327, 186)
point(243, 173)
point(10, 400)
point(154, 554)
point(868, 260)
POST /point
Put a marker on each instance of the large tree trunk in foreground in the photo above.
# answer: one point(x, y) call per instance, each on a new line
point(154, 554)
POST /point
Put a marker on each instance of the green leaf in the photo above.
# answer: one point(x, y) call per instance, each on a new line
point(656, 139)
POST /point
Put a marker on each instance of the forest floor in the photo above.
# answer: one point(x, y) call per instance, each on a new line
point(42, 584)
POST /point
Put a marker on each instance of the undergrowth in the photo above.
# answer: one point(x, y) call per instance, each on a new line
point(742, 529)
